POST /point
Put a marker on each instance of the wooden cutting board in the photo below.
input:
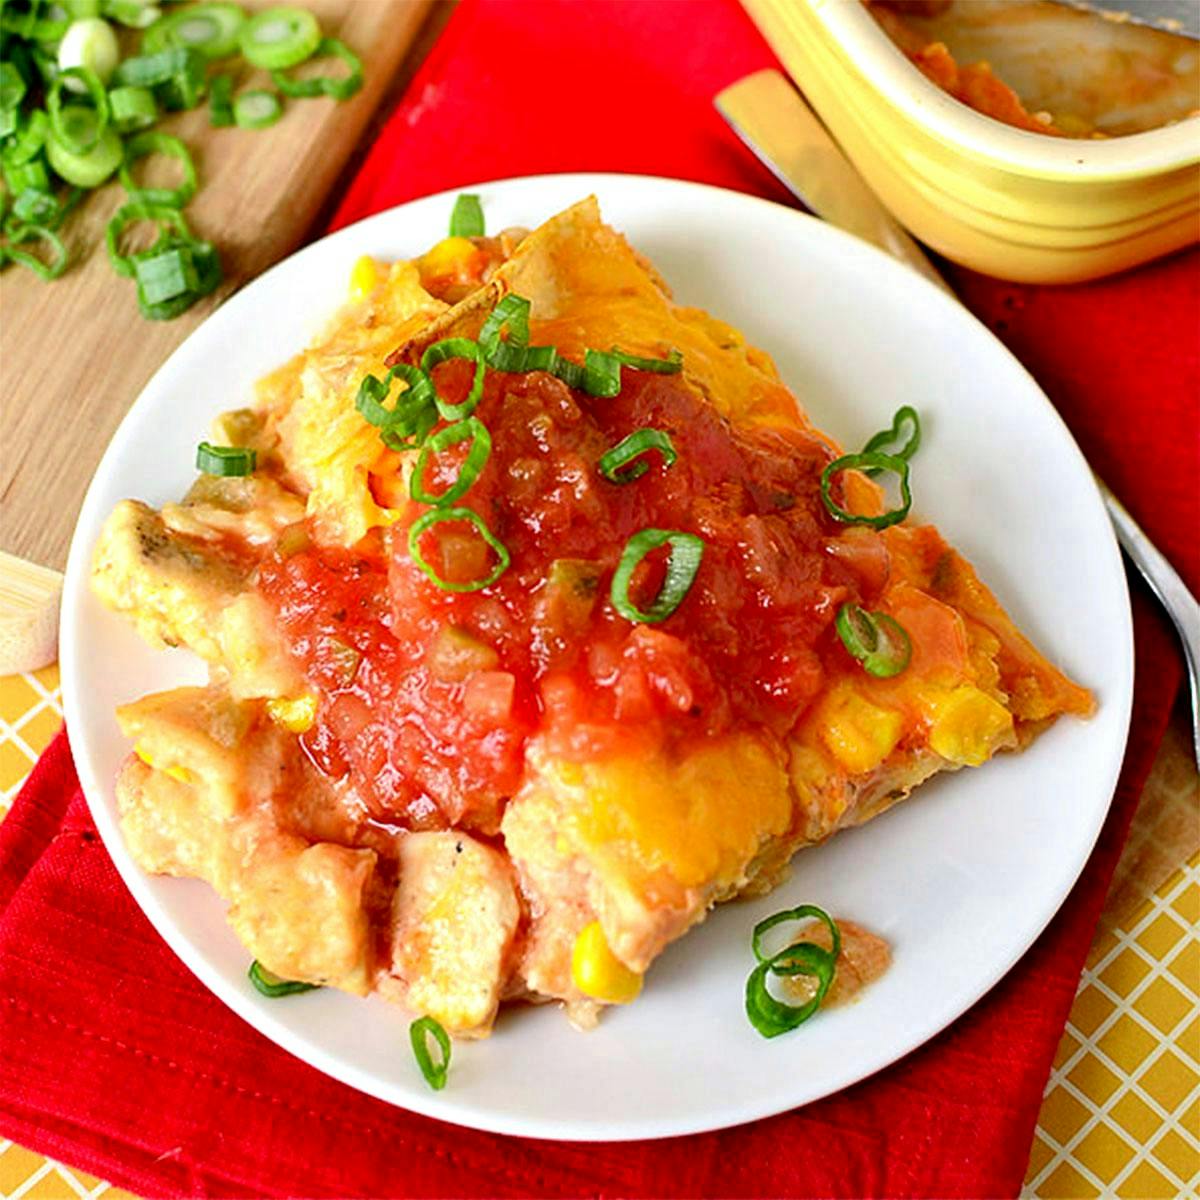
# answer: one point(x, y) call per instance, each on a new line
point(75, 353)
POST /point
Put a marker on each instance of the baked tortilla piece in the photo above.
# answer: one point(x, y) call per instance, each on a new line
point(521, 791)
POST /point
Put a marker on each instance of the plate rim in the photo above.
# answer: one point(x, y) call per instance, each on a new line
point(95, 788)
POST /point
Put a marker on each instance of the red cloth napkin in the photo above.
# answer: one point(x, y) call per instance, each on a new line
point(113, 1058)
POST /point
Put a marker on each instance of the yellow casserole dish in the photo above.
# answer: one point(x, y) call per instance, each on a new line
point(1011, 203)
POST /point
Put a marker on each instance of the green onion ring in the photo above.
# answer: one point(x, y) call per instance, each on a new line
point(206, 265)
point(149, 70)
point(419, 1033)
point(512, 312)
point(20, 177)
point(615, 463)
point(877, 640)
point(671, 365)
point(856, 462)
point(220, 101)
point(47, 271)
point(270, 984)
point(279, 37)
point(225, 460)
point(770, 1016)
point(87, 170)
point(128, 214)
point(13, 86)
point(210, 29)
point(325, 85)
point(477, 456)
point(436, 516)
point(54, 109)
point(906, 415)
point(445, 350)
point(467, 218)
point(32, 206)
point(132, 108)
point(411, 405)
point(257, 109)
point(29, 138)
point(799, 913)
point(601, 373)
point(686, 552)
point(154, 142)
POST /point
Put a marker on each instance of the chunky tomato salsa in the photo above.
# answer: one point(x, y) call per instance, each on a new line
point(428, 696)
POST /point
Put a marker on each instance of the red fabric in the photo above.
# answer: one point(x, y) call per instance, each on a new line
point(114, 1058)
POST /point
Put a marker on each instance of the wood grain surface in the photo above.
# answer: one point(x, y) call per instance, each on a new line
point(75, 353)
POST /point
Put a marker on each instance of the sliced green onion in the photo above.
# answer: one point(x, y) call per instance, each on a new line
point(225, 460)
point(257, 109)
point(210, 29)
point(165, 274)
point(419, 1033)
point(325, 85)
point(220, 101)
point(137, 14)
point(12, 86)
point(87, 170)
point(207, 268)
point(571, 373)
point(436, 516)
point(601, 373)
point(154, 142)
point(907, 415)
point(800, 913)
point(70, 134)
point(614, 463)
point(413, 406)
point(81, 8)
point(150, 70)
point(770, 1016)
point(32, 206)
point(671, 365)
point(270, 984)
point(512, 313)
point(445, 350)
point(90, 43)
point(50, 270)
point(477, 455)
point(877, 640)
point(132, 109)
point(27, 176)
point(467, 218)
point(686, 552)
point(8, 122)
point(858, 462)
point(185, 89)
point(165, 217)
point(279, 37)
point(29, 136)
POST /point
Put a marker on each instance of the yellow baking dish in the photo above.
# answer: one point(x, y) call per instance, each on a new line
point(1010, 203)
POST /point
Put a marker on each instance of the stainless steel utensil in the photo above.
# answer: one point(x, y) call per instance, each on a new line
point(774, 121)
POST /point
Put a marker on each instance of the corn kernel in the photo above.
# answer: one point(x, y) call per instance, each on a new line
point(363, 278)
point(182, 774)
point(295, 715)
point(969, 726)
point(451, 257)
point(859, 734)
point(598, 972)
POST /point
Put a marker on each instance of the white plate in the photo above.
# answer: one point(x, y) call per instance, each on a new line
point(960, 879)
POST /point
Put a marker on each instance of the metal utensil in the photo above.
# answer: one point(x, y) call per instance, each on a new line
point(774, 121)
point(1172, 16)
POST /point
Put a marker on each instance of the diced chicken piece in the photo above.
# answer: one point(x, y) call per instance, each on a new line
point(456, 913)
point(172, 587)
point(301, 910)
point(253, 652)
point(209, 794)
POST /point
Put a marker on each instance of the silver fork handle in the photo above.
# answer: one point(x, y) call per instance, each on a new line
point(1169, 588)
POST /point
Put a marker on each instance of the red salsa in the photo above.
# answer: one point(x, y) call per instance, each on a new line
point(429, 698)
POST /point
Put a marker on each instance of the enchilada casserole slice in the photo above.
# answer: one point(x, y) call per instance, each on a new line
point(539, 621)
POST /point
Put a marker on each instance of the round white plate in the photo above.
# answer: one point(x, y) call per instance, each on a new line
point(960, 879)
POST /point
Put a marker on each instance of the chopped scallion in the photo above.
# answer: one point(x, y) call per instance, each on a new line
point(154, 142)
point(225, 460)
point(270, 984)
point(281, 37)
point(686, 551)
point(257, 109)
point(618, 465)
point(467, 218)
point(477, 455)
point(325, 85)
point(419, 1033)
point(437, 516)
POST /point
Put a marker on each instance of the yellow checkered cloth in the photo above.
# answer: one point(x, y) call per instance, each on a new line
point(1122, 1110)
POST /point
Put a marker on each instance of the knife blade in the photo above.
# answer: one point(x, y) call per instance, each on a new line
point(1171, 16)
point(776, 123)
